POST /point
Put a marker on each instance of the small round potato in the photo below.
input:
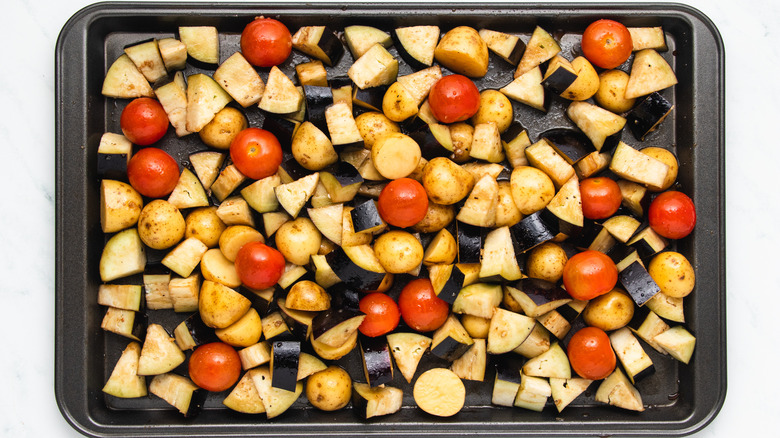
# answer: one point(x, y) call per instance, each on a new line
point(507, 213)
point(298, 240)
point(673, 273)
point(462, 135)
point(667, 157)
point(446, 182)
point(437, 217)
point(612, 91)
point(329, 389)
point(373, 125)
point(312, 148)
point(308, 296)
point(223, 128)
point(587, 82)
point(532, 189)
point(160, 225)
point(494, 106)
point(546, 262)
point(236, 236)
point(398, 251)
point(204, 225)
point(610, 311)
point(477, 327)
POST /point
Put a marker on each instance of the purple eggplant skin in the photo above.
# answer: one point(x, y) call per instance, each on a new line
point(282, 128)
point(345, 173)
point(469, 243)
point(648, 114)
point(450, 349)
point(559, 80)
point(318, 99)
point(331, 45)
point(541, 291)
point(453, 285)
point(351, 274)
point(284, 370)
point(370, 98)
point(112, 166)
point(638, 283)
point(573, 145)
point(533, 230)
point(200, 332)
point(376, 360)
point(365, 216)
point(331, 318)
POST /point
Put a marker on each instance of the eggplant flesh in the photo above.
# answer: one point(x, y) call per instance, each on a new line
point(559, 80)
point(351, 274)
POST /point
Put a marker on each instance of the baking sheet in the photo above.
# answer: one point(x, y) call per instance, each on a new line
point(679, 399)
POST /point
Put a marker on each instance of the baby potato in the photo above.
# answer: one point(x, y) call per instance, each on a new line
point(223, 128)
point(610, 311)
point(494, 106)
point(298, 240)
point(587, 82)
point(532, 189)
point(667, 157)
point(507, 213)
point(477, 327)
point(398, 251)
point(462, 135)
point(673, 273)
point(160, 225)
point(373, 125)
point(612, 91)
point(437, 217)
point(445, 181)
point(463, 51)
point(546, 262)
point(204, 225)
point(329, 389)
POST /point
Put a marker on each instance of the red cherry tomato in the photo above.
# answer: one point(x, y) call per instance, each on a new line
point(606, 43)
point(215, 366)
point(420, 308)
point(382, 314)
point(589, 274)
point(672, 215)
point(153, 172)
point(144, 121)
point(403, 202)
point(601, 197)
point(256, 153)
point(266, 42)
point(590, 353)
point(258, 265)
point(453, 98)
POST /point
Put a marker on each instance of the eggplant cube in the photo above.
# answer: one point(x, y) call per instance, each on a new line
point(284, 364)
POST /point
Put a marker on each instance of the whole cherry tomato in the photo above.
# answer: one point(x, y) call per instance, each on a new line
point(266, 42)
point(420, 308)
point(215, 366)
point(672, 215)
point(258, 265)
point(453, 98)
point(606, 43)
point(153, 172)
point(589, 274)
point(403, 202)
point(144, 121)
point(590, 353)
point(256, 153)
point(382, 314)
point(601, 197)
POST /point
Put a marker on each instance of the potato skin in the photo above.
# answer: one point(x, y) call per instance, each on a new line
point(532, 189)
point(223, 128)
point(477, 327)
point(587, 82)
point(673, 273)
point(462, 135)
point(204, 224)
point(612, 91)
point(446, 182)
point(610, 311)
point(494, 106)
point(463, 51)
point(120, 205)
point(373, 125)
point(329, 389)
point(312, 148)
point(398, 251)
point(546, 262)
point(437, 217)
point(298, 240)
point(668, 158)
point(160, 225)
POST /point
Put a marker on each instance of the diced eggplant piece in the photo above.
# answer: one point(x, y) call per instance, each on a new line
point(114, 153)
point(570, 144)
point(571, 310)
point(507, 331)
point(565, 391)
point(408, 349)
point(366, 217)
point(478, 299)
point(276, 401)
point(255, 355)
point(634, 197)
point(480, 207)
point(376, 67)
point(360, 38)
point(280, 95)
point(566, 206)
point(678, 342)
point(342, 127)
point(193, 332)
point(173, 53)
point(185, 257)
point(159, 354)
point(319, 42)
point(486, 143)
point(509, 47)
point(498, 256)
point(282, 128)
point(298, 321)
point(377, 364)
point(188, 193)
point(318, 99)
point(633, 165)
point(237, 76)
point(649, 72)
point(284, 364)
point(312, 73)
point(473, 363)
point(450, 340)
point(622, 227)
point(648, 115)
point(603, 128)
point(180, 392)
point(274, 327)
point(515, 140)
point(592, 164)
point(533, 230)
point(146, 56)
point(370, 98)
point(354, 269)
point(647, 325)
point(616, 390)
point(309, 364)
point(293, 196)
point(124, 381)
point(559, 75)
point(333, 327)
point(668, 308)
point(205, 98)
point(207, 165)
point(123, 296)
point(123, 255)
point(507, 381)
point(124, 81)
point(436, 141)
point(202, 43)
point(244, 397)
point(447, 281)
point(127, 323)
point(648, 38)
point(551, 363)
point(647, 242)
point(469, 243)
point(632, 356)
point(540, 48)
point(416, 44)
point(528, 89)
point(173, 98)
point(328, 221)
point(371, 402)
point(290, 170)
point(537, 297)
point(543, 156)
point(535, 344)
point(532, 393)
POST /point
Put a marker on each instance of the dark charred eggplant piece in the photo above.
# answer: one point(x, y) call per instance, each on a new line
point(351, 273)
point(318, 99)
point(370, 98)
point(638, 283)
point(533, 230)
point(469, 243)
point(282, 128)
point(366, 217)
point(334, 326)
point(537, 297)
point(645, 117)
point(377, 364)
point(570, 144)
point(284, 364)
point(193, 332)
point(450, 340)
point(342, 181)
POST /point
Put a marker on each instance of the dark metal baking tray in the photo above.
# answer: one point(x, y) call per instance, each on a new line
point(679, 399)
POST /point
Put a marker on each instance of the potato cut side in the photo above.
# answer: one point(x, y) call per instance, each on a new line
point(220, 305)
point(440, 392)
point(120, 205)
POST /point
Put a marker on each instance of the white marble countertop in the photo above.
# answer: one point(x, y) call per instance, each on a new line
point(28, 408)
